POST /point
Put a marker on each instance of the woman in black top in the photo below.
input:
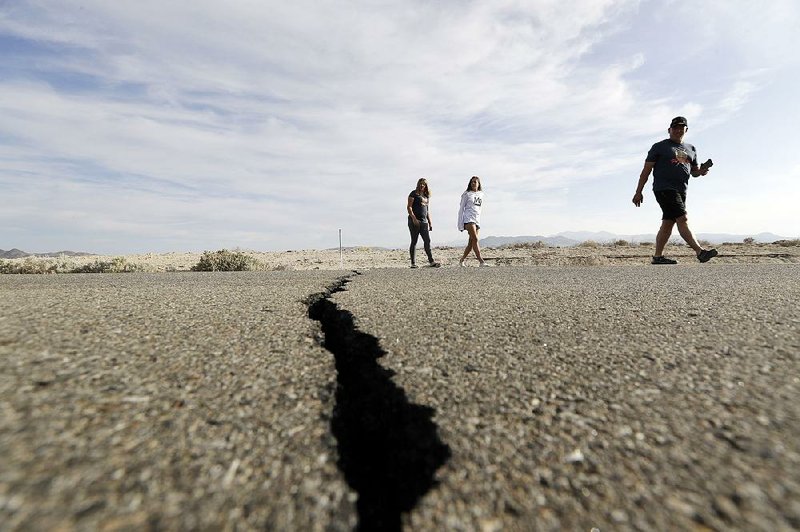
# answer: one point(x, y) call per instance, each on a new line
point(419, 220)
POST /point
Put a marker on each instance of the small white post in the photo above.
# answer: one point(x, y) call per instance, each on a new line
point(341, 255)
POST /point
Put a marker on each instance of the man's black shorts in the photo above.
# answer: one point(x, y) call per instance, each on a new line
point(673, 203)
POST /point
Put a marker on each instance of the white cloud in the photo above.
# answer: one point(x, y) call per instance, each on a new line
point(289, 119)
point(737, 97)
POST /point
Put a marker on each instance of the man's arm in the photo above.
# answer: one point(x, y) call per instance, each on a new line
point(699, 170)
point(643, 177)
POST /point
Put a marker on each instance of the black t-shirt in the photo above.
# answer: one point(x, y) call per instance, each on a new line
point(420, 206)
point(674, 163)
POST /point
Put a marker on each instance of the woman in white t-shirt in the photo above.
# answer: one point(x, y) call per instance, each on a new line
point(469, 218)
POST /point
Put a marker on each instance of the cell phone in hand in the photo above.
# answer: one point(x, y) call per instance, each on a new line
point(708, 164)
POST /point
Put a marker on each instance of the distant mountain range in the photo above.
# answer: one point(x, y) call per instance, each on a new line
point(18, 254)
point(573, 238)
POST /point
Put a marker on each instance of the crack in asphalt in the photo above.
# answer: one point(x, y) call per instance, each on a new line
point(389, 448)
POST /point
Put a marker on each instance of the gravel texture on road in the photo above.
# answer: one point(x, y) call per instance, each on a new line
point(167, 401)
point(505, 398)
point(621, 398)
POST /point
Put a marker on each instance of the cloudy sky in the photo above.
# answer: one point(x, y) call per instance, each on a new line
point(183, 126)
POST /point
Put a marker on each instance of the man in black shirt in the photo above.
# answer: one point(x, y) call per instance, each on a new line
point(672, 162)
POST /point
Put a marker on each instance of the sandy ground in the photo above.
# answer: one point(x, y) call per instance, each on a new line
point(362, 258)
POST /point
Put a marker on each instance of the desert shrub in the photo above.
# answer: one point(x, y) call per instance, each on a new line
point(646, 244)
point(749, 241)
point(621, 243)
point(705, 243)
point(29, 265)
point(588, 244)
point(788, 243)
point(115, 265)
point(527, 245)
point(36, 265)
point(226, 261)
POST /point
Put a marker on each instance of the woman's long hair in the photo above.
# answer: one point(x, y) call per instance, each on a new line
point(470, 182)
point(423, 181)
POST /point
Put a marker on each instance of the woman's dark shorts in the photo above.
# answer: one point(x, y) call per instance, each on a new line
point(673, 203)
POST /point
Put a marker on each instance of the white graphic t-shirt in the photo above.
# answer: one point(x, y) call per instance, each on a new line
point(470, 209)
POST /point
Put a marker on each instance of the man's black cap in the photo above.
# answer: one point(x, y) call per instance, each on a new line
point(679, 121)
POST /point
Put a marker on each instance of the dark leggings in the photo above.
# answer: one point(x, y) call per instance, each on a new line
point(426, 239)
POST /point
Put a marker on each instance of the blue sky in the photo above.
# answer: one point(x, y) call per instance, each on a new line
point(183, 126)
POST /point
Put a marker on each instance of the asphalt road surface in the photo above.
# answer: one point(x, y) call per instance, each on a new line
point(506, 398)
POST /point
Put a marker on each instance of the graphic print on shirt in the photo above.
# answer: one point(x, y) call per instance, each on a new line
point(681, 156)
point(477, 201)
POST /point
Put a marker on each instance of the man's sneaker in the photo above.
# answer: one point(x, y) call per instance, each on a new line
point(484, 264)
point(434, 264)
point(414, 266)
point(663, 260)
point(706, 255)
point(461, 264)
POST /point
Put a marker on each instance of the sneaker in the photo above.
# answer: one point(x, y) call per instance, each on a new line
point(706, 255)
point(663, 260)
point(414, 266)
point(434, 264)
point(461, 264)
point(485, 264)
